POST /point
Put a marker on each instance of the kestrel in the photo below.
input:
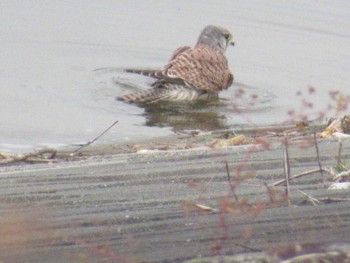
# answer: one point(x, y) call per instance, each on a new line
point(194, 73)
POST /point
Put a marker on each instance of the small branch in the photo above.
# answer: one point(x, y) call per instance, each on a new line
point(205, 187)
point(33, 157)
point(342, 174)
point(313, 200)
point(329, 171)
point(229, 181)
point(98, 137)
point(286, 166)
point(204, 207)
point(246, 247)
point(296, 176)
point(339, 152)
point(333, 199)
point(269, 191)
point(318, 158)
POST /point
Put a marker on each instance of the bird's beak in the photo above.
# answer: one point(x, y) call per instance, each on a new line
point(231, 41)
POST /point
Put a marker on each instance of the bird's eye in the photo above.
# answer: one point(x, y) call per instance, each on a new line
point(227, 36)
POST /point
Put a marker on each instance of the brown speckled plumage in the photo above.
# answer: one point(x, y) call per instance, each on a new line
point(192, 73)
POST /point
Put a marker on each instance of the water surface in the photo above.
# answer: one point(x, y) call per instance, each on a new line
point(51, 93)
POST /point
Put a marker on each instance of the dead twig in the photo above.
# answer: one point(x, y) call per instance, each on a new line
point(339, 153)
point(229, 181)
point(339, 186)
point(333, 199)
point(297, 176)
point(202, 191)
point(204, 207)
point(33, 157)
point(330, 171)
point(98, 137)
point(313, 200)
point(318, 158)
point(270, 192)
point(286, 166)
point(247, 247)
point(342, 174)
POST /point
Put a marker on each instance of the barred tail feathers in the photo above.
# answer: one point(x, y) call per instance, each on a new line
point(153, 73)
point(173, 93)
point(143, 96)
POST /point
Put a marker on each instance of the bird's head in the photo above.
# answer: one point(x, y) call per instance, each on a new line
point(216, 37)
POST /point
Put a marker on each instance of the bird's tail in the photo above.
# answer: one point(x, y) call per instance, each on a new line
point(148, 96)
point(170, 92)
point(153, 73)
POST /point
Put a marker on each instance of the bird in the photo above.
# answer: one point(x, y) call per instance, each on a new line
point(191, 74)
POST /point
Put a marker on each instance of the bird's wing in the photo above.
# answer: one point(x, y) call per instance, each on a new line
point(178, 52)
point(201, 68)
point(156, 73)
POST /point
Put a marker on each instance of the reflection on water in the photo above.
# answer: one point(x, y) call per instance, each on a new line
point(185, 115)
